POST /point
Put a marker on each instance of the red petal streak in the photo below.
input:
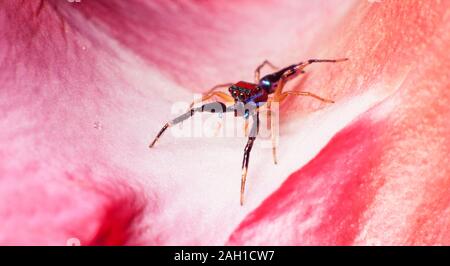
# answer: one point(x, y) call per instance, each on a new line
point(322, 202)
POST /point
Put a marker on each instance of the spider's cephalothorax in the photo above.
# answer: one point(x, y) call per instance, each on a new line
point(265, 90)
point(246, 92)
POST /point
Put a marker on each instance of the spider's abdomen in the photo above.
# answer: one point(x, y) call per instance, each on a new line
point(247, 92)
point(269, 82)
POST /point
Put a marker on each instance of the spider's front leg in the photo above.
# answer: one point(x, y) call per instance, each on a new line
point(248, 148)
point(213, 92)
point(215, 107)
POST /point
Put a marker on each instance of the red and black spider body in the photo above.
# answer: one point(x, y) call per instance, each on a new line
point(247, 92)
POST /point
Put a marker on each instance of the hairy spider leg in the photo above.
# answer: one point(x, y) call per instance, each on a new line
point(303, 93)
point(248, 148)
point(271, 122)
point(214, 107)
point(246, 123)
point(258, 69)
point(299, 69)
point(280, 96)
point(212, 92)
point(280, 99)
point(300, 66)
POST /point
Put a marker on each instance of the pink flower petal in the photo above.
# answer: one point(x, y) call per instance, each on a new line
point(85, 86)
